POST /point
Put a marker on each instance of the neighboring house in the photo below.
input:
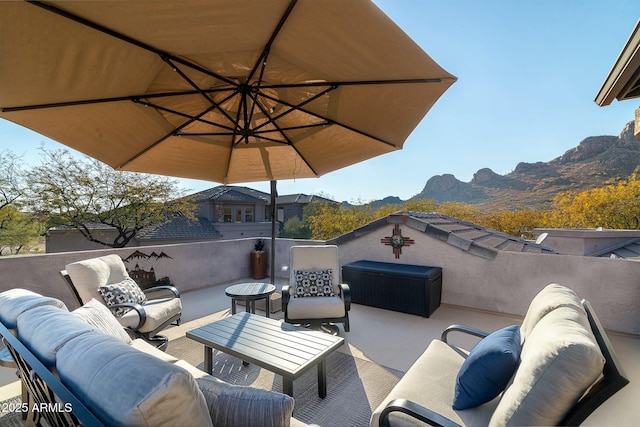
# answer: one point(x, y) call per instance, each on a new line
point(597, 242)
point(224, 212)
point(403, 228)
point(292, 205)
point(623, 81)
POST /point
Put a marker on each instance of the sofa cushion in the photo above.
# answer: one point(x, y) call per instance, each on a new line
point(125, 291)
point(96, 314)
point(88, 275)
point(46, 329)
point(143, 346)
point(559, 361)
point(488, 368)
point(547, 300)
point(234, 405)
point(313, 283)
point(16, 301)
point(125, 387)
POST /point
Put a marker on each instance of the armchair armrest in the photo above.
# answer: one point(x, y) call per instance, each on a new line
point(416, 411)
point(156, 292)
point(345, 290)
point(462, 328)
point(286, 296)
point(142, 314)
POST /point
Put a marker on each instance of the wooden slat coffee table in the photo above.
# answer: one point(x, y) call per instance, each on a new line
point(279, 347)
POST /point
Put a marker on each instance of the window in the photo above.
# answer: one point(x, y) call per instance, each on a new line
point(228, 215)
point(248, 214)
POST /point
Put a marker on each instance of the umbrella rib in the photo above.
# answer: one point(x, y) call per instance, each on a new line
point(186, 78)
point(292, 108)
point(276, 31)
point(332, 121)
point(178, 113)
point(173, 132)
point(358, 83)
point(111, 99)
point(289, 142)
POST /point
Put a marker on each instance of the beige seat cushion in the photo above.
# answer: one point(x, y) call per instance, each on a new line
point(432, 379)
point(547, 300)
point(315, 307)
point(315, 258)
point(88, 275)
point(157, 311)
point(559, 361)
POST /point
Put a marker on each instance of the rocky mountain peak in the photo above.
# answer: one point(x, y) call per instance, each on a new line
point(592, 163)
point(483, 176)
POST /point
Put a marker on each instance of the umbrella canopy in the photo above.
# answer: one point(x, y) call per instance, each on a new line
point(220, 90)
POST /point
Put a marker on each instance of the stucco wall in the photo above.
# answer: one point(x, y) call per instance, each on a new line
point(190, 266)
point(504, 284)
point(508, 282)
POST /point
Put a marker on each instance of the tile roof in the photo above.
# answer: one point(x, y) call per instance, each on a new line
point(181, 228)
point(231, 193)
point(300, 198)
point(629, 249)
point(464, 235)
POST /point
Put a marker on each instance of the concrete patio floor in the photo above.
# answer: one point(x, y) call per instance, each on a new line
point(396, 340)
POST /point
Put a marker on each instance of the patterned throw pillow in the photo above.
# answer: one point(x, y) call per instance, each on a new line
point(119, 293)
point(313, 283)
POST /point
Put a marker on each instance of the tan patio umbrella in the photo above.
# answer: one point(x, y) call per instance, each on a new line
point(220, 90)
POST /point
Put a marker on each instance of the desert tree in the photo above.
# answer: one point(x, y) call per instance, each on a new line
point(89, 196)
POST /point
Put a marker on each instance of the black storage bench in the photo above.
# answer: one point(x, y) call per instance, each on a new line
point(413, 289)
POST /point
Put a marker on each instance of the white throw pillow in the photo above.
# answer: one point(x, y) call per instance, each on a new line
point(96, 314)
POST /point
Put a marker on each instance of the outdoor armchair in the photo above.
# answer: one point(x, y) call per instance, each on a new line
point(156, 309)
point(564, 367)
point(315, 294)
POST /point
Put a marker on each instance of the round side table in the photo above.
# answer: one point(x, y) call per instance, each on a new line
point(250, 293)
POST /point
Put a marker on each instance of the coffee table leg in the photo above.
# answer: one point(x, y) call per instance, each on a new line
point(287, 386)
point(233, 306)
point(322, 378)
point(267, 304)
point(208, 360)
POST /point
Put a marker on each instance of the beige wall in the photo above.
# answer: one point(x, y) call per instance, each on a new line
point(505, 284)
point(508, 282)
point(191, 266)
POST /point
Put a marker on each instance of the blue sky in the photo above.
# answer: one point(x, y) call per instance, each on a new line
point(528, 72)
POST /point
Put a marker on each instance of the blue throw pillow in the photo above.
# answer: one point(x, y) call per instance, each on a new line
point(488, 368)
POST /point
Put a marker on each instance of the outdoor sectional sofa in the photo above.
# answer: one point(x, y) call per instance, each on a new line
point(555, 368)
point(101, 376)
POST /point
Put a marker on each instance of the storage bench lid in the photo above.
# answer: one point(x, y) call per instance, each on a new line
point(421, 271)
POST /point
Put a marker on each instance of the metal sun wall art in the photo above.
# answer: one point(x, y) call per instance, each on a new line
point(397, 240)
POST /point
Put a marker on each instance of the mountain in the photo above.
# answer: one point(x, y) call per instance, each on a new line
point(592, 163)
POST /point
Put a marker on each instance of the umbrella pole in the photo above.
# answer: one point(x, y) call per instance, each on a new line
point(273, 231)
